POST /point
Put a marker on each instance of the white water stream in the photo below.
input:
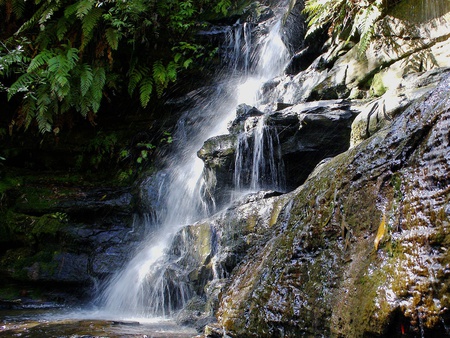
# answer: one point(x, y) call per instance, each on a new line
point(144, 288)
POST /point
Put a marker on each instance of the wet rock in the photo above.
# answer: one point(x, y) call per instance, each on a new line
point(194, 314)
point(218, 155)
point(65, 233)
point(294, 130)
point(381, 111)
point(318, 271)
point(243, 112)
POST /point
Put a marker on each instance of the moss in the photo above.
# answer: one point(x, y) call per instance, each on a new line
point(24, 264)
point(377, 87)
point(49, 224)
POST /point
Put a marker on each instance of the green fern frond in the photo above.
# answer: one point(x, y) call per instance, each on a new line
point(44, 39)
point(48, 12)
point(366, 23)
point(39, 60)
point(32, 21)
point(86, 78)
point(113, 37)
point(72, 57)
point(59, 68)
point(136, 74)
point(88, 23)
point(84, 105)
point(62, 27)
point(43, 99)
point(43, 113)
point(71, 10)
point(96, 89)
point(28, 110)
point(17, 8)
point(83, 7)
point(44, 121)
point(159, 73)
point(21, 84)
point(145, 91)
point(172, 71)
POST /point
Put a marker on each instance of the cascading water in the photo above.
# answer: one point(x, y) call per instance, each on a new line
point(258, 162)
point(151, 284)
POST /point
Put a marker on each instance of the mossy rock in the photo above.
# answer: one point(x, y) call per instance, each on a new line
point(364, 250)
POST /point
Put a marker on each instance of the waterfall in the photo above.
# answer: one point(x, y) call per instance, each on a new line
point(151, 283)
point(258, 162)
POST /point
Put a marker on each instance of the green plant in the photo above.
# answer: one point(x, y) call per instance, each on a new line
point(144, 153)
point(64, 57)
point(102, 148)
point(60, 216)
point(357, 17)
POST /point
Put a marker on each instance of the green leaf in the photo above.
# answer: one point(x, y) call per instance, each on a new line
point(61, 28)
point(159, 72)
point(86, 78)
point(88, 23)
point(112, 36)
point(21, 84)
point(136, 75)
point(172, 71)
point(187, 63)
point(146, 90)
point(83, 7)
point(96, 89)
point(39, 60)
point(177, 57)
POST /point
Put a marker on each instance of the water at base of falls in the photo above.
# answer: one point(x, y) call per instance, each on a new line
point(152, 284)
point(44, 323)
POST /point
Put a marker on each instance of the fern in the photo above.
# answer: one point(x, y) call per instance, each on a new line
point(321, 13)
point(358, 16)
point(159, 72)
point(223, 7)
point(366, 26)
point(32, 21)
point(88, 23)
point(47, 14)
point(21, 84)
point(159, 77)
point(62, 27)
point(172, 71)
point(96, 90)
point(16, 7)
point(36, 107)
point(146, 90)
point(86, 78)
point(59, 68)
point(83, 7)
point(71, 10)
point(113, 37)
point(39, 60)
point(28, 111)
point(135, 76)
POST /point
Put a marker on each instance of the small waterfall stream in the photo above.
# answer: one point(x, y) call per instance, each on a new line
point(147, 287)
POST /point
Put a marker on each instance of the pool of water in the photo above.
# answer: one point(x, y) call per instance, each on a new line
point(37, 323)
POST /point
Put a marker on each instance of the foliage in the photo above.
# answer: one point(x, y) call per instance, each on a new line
point(358, 17)
point(63, 57)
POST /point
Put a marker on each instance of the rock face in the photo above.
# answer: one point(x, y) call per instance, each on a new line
point(361, 249)
point(62, 233)
point(297, 138)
